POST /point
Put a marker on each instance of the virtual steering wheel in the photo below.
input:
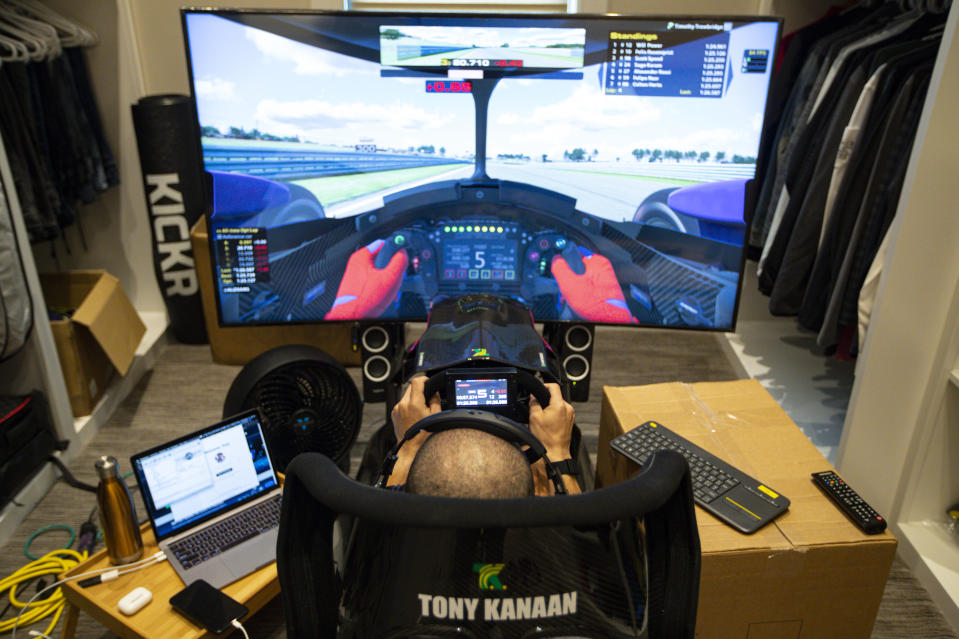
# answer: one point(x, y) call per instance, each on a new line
point(491, 389)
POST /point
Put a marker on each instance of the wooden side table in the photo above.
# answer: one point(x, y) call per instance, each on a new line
point(158, 619)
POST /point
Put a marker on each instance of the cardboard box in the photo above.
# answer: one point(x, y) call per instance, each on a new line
point(810, 573)
point(240, 344)
point(101, 335)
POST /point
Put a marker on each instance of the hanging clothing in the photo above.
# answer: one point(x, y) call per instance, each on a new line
point(838, 162)
point(53, 134)
point(845, 28)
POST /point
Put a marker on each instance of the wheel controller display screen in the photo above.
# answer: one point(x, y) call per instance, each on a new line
point(364, 165)
point(481, 392)
point(482, 259)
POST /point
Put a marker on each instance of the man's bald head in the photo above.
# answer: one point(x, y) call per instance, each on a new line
point(469, 463)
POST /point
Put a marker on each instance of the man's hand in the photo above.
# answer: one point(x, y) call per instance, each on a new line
point(411, 408)
point(365, 290)
point(589, 285)
point(553, 425)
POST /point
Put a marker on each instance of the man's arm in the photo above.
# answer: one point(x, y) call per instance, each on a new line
point(411, 408)
point(553, 427)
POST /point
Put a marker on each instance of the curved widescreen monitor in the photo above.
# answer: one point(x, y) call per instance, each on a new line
point(365, 165)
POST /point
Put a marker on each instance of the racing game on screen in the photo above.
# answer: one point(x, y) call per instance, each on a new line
point(365, 165)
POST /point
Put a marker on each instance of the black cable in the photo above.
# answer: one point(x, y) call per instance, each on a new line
point(24, 586)
point(68, 476)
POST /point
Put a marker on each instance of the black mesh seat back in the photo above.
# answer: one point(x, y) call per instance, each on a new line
point(569, 566)
point(504, 582)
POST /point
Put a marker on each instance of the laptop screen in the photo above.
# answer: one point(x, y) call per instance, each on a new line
point(199, 476)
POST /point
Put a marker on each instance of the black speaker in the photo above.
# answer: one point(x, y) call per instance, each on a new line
point(380, 349)
point(573, 345)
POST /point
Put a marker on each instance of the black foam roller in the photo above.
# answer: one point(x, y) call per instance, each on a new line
point(171, 161)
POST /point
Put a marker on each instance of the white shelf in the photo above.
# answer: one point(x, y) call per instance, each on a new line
point(898, 445)
point(932, 550)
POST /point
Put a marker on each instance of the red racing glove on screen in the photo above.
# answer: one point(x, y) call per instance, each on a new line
point(595, 294)
point(365, 291)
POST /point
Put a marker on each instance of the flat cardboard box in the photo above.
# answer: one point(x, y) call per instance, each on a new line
point(100, 336)
point(810, 573)
point(240, 344)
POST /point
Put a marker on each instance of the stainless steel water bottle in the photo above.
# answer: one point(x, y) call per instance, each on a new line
point(117, 516)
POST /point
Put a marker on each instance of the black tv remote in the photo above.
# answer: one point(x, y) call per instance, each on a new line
point(849, 501)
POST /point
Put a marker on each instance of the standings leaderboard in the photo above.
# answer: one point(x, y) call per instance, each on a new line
point(675, 60)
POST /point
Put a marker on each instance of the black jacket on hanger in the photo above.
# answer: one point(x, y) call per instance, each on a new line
point(870, 187)
point(797, 119)
point(790, 85)
point(794, 250)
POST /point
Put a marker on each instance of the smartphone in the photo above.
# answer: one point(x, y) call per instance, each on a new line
point(207, 606)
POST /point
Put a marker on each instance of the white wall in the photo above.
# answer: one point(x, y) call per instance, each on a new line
point(902, 371)
point(115, 225)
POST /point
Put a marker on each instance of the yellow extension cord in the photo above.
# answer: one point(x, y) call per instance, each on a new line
point(54, 563)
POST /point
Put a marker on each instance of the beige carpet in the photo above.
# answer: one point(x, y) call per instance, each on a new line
point(186, 391)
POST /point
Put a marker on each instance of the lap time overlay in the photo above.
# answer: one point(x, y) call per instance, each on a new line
point(684, 60)
point(242, 258)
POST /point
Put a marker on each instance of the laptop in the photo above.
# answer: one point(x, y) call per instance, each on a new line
point(213, 499)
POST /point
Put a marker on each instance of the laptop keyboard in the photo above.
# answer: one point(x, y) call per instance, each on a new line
point(225, 534)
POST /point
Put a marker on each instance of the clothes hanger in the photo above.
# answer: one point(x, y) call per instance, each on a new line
point(43, 34)
point(27, 47)
point(18, 52)
point(72, 34)
point(38, 36)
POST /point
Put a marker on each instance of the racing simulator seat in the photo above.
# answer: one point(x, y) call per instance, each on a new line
point(613, 563)
point(618, 562)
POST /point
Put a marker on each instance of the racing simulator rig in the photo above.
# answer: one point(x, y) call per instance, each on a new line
point(483, 175)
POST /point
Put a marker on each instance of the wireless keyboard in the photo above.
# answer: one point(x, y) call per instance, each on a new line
point(730, 494)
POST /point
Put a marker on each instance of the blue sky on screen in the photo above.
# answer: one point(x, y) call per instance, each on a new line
point(250, 78)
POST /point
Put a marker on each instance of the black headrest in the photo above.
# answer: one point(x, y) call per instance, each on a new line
point(316, 492)
point(341, 494)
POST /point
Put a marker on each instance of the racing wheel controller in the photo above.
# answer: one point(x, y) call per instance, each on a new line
point(547, 247)
point(491, 389)
point(391, 247)
point(574, 257)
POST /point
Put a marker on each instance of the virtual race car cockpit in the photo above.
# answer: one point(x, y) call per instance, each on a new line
point(365, 165)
